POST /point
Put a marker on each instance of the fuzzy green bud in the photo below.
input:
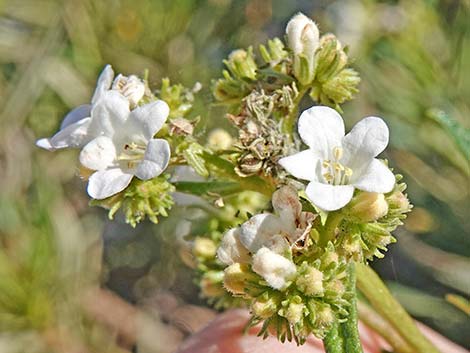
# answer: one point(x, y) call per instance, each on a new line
point(309, 280)
point(204, 247)
point(324, 317)
point(294, 312)
point(367, 207)
point(330, 58)
point(264, 307)
point(241, 64)
point(398, 201)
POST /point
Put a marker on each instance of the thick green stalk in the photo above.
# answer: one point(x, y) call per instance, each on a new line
point(328, 231)
point(349, 330)
point(344, 338)
point(370, 284)
point(333, 342)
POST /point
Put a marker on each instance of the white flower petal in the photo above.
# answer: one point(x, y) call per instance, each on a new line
point(231, 250)
point(148, 119)
point(98, 154)
point(75, 115)
point(263, 230)
point(302, 165)
point(287, 205)
point(366, 140)
point(109, 114)
point(322, 129)
point(329, 197)
point(106, 183)
point(274, 268)
point(75, 135)
point(103, 84)
point(375, 177)
point(156, 158)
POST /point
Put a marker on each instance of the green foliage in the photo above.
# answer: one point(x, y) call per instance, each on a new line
point(141, 199)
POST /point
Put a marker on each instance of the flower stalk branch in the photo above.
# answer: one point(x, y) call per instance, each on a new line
point(373, 288)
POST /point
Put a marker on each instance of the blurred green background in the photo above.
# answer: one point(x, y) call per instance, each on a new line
point(414, 60)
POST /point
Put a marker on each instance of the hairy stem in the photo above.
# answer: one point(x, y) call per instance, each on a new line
point(333, 342)
point(344, 337)
point(349, 330)
point(329, 229)
point(370, 284)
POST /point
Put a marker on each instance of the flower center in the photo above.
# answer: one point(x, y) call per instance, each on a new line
point(132, 154)
point(334, 172)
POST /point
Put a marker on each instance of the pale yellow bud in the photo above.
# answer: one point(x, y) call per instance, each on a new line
point(204, 247)
point(294, 313)
point(367, 206)
point(219, 139)
point(264, 308)
point(310, 281)
point(325, 317)
point(398, 200)
point(236, 276)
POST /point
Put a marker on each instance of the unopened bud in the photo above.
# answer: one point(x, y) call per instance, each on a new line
point(398, 201)
point(310, 280)
point(241, 63)
point(330, 58)
point(219, 139)
point(303, 38)
point(264, 307)
point(204, 247)
point(236, 277)
point(211, 284)
point(294, 312)
point(367, 207)
point(325, 317)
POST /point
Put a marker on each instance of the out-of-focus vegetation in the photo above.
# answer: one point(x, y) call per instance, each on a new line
point(414, 60)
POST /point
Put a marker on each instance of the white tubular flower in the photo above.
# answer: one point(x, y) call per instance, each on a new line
point(231, 250)
point(124, 145)
point(74, 132)
point(274, 268)
point(270, 237)
point(303, 38)
point(336, 164)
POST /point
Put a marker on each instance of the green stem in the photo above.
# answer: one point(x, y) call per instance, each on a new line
point(329, 229)
point(333, 342)
point(344, 338)
point(288, 123)
point(370, 284)
point(349, 330)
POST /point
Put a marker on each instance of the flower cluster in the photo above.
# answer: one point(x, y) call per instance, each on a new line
point(116, 138)
point(333, 204)
point(291, 265)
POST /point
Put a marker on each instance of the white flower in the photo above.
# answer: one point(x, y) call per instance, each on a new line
point(269, 237)
point(124, 145)
point(274, 268)
point(336, 164)
point(74, 132)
